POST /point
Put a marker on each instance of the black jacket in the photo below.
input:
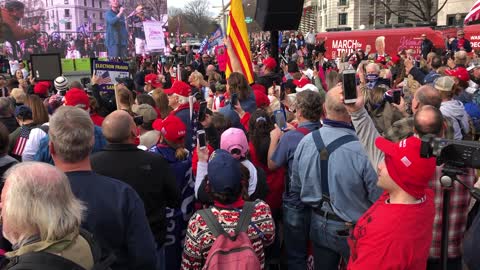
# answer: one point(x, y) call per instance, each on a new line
point(10, 123)
point(269, 79)
point(148, 174)
point(427, 47)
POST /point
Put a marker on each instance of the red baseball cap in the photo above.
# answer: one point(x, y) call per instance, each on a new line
point(301, 83)
point(395, 59)
point(261, 99)
point(41, 88)
point(270, 63)
point(179, 88)
point(172, 128)
point(259, 87)
point(152, 79)
point(77, 97)
point(460, 72)
point(405, 166)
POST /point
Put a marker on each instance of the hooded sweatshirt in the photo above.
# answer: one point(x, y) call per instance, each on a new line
point(454, 110)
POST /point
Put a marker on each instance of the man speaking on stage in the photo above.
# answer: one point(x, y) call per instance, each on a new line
point(116, 38)
point(136, 19)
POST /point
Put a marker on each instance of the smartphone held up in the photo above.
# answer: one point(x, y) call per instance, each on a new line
point(349, 86)
point(202, 139)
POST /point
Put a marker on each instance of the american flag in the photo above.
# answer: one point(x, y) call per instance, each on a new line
point(474, 14)
point(262, 46)
point(21, 141)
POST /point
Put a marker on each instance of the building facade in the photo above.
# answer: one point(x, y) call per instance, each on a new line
point(357, 14)
point(454, 12)
point(68, 16)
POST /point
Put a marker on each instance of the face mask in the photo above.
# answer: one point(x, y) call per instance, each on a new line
point(372, 77)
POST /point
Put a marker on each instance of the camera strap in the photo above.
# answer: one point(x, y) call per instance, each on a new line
point(325, 152)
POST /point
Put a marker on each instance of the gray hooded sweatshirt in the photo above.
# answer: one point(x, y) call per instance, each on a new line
point(454, 110)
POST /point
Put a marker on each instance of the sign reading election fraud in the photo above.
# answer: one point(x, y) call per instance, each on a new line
point(109, 72)
point(154, 36)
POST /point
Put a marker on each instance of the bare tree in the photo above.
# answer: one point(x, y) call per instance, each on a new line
point(196, 14)
point(156, 8)
point(196, 9)
point(417, 10)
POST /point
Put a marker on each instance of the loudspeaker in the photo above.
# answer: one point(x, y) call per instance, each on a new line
point(277, 15)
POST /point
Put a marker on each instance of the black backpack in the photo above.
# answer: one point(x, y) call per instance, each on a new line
point(48, 261)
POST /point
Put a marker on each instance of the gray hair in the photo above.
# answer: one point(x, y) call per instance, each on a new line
point(71, 132)
point(39, 201)
point(181, 99)
point(310, 105)
point(377, 67)
point(6, 108)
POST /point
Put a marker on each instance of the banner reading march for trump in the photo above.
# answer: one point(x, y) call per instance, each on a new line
point(109, 73)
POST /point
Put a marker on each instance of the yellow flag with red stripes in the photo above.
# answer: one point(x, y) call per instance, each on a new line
point(238, 44)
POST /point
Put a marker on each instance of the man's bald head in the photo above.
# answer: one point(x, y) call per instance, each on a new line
point(426, 95)
point(428, 120)
point(210, 68)
point(334, 107)
point(117, 127)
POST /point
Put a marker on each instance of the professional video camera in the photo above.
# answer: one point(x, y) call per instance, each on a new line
point(460, 154)
point(456, 157)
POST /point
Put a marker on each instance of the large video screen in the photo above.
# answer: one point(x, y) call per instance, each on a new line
point(81, 28)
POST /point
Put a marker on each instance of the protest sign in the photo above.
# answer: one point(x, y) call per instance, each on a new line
point(109, 72)
point(154, 36)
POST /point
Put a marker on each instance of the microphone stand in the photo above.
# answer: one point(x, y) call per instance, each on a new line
point(449, 176)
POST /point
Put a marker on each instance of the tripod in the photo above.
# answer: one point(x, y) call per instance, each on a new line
point(449, 175)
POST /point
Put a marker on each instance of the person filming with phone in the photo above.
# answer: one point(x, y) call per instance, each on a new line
point(333, 175)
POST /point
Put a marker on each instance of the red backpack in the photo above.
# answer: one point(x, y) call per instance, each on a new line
point(231, 251)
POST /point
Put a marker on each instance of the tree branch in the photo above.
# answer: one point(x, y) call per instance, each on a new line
point(440, 8)
point(389, 9)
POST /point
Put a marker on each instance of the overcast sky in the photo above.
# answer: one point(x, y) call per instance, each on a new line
point(181, 3)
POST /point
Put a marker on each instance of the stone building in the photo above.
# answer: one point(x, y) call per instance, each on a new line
point(357, 14)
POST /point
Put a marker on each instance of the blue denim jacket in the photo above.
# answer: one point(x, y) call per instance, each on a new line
point(116, 29)
point(43, 153)
point(351, 178)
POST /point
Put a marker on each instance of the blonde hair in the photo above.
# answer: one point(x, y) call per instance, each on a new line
point(40, 201)
point(161, 100)
point(180, 152)
point(19, 95)
point(380, 40)
point(197, 78)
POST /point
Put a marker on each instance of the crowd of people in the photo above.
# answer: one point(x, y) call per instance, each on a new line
point(183, 168)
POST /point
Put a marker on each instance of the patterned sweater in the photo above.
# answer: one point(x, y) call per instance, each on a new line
point(200, 239)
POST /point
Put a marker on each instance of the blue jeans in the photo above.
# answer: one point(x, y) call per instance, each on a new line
point(117, 51)
point(328, 245)
point(296, 228)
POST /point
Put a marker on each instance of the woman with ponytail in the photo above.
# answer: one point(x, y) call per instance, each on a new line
point(171, 147)
point(260, 125)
